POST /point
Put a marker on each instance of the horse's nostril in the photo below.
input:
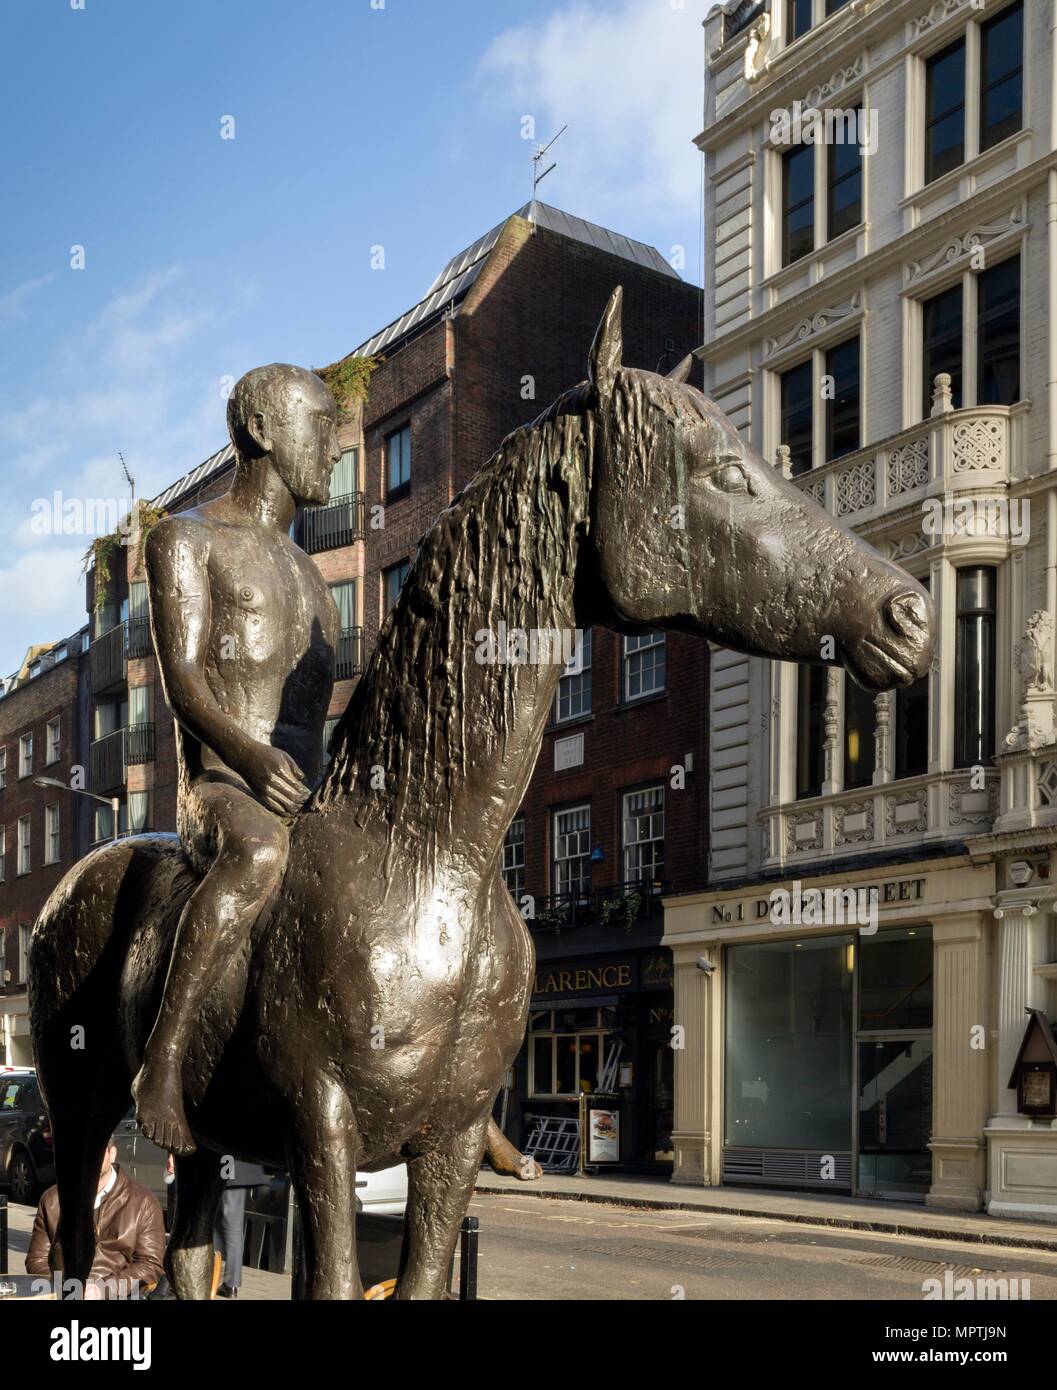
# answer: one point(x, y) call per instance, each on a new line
point(907, 613)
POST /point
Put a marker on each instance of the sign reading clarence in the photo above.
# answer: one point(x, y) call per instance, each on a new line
point(605, 976)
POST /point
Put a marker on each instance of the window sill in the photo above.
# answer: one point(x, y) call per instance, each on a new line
point(970, 169)
point(560, 726)
point(637, 701)
point(780, 277)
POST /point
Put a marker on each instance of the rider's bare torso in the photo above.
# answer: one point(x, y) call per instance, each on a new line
point(273, 629)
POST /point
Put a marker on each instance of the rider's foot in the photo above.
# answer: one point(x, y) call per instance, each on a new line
point(158, 1092)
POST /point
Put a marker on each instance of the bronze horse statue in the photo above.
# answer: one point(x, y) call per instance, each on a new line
point(385, 990)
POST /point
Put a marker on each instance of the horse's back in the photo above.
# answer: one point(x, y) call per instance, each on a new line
point(101, 941)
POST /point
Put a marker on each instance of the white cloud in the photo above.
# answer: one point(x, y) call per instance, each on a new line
point(12, 304)
point(135, 379)
point(629, 79)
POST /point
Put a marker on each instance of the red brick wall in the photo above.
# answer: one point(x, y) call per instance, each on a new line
point(53, 694)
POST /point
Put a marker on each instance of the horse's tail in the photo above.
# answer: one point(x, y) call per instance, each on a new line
point(96, 954)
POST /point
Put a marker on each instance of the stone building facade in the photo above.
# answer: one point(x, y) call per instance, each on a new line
point(881, 324)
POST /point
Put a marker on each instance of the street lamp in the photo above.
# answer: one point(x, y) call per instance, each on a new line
point(114, 802)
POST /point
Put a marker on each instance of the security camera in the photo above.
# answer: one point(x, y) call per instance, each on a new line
point(705, 965)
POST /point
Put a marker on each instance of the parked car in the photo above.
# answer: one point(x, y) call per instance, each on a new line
point(27, 1158)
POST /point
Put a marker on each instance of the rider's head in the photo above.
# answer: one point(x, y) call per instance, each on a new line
point(287, 414)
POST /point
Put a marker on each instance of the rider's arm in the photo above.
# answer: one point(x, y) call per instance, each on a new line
point(177, 561)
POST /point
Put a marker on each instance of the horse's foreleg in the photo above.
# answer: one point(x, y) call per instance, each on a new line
point(323, 1159)
point(189, 1260)
point(440, 1184)
point(505, 1158)
point(81, 1133)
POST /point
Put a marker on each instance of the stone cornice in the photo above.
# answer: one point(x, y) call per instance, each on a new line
point(983, 848)
point(838, 286)
point(788, 73)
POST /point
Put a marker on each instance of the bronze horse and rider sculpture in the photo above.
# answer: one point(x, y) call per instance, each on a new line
point(333, 977)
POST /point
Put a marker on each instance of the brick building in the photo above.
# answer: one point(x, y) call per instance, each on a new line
point(504, 328)
point(43, 830)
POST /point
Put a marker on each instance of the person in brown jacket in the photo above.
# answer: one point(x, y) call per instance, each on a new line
point(129, 1235)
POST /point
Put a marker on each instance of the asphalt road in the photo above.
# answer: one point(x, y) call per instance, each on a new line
point(541, 1249)
point(534, 1250)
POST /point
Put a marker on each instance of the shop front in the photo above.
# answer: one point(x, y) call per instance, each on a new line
point(831, 1050)
point(602, 1026)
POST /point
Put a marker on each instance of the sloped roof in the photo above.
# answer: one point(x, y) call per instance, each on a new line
point(453, 282)
point(446, 293)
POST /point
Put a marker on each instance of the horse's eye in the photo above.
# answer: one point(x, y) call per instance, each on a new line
point(730, 478)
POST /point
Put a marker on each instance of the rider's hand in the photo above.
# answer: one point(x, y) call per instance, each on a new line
point(276, 780)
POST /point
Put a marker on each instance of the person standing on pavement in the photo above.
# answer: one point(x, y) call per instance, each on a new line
point(229, 1232)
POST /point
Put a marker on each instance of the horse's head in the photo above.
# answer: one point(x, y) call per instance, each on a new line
point(691, 530)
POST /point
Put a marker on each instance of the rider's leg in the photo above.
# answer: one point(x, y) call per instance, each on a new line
point(250, 860)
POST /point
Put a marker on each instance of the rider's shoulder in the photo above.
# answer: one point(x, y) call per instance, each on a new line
point(180, 531)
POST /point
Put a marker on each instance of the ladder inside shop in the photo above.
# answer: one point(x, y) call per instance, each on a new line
point(554, 1143)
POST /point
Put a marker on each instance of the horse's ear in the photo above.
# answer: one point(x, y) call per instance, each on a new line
point(607, 349)
point(682, 371)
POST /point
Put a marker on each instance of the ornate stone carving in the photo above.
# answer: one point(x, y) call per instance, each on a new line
point(856, 488)
point(959, 814)
point(905, 546)
point(816, 490)
point(843, 77)
point(812, 324)
point(908, 466)
point(859, 811)
point(1034, 660)
point(795, 841)
point(979, 444)
point(940, 11)
point(759, 45)
point(959, 246)
point(883, 729)
point(906, 813)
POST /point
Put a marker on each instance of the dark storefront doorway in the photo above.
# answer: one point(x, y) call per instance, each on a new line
point(828, 1063)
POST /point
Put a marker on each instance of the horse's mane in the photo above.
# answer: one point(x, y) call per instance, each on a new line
point(502, 552)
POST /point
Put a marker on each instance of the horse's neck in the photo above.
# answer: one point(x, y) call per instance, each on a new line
point(440, 738)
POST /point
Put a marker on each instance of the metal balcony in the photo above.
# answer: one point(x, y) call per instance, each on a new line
point(106, 762)
point(139, 745)
point(624, 904)
point(108, 659)
point(558, 912)
point(139, 643)
point(340, 522)
point(348, 660)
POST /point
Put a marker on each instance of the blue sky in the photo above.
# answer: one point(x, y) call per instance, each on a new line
point(356, 124)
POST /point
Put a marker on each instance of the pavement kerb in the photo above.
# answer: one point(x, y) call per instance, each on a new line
point(982, 1236)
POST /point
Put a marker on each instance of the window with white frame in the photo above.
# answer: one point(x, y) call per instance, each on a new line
point(644, 665)
point(24, 833)
point(803, 15)
point(25, 931)
point(572, 850)
point(3, 768)
point(981, 72)
point(25, 755)
point(644, 834)
point(971, 330)
point(51, 834)
point(514, 857)
point(573, 699)
point(820, 406)
point(567, 1051)
point(3, 854)
point(53, 742)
